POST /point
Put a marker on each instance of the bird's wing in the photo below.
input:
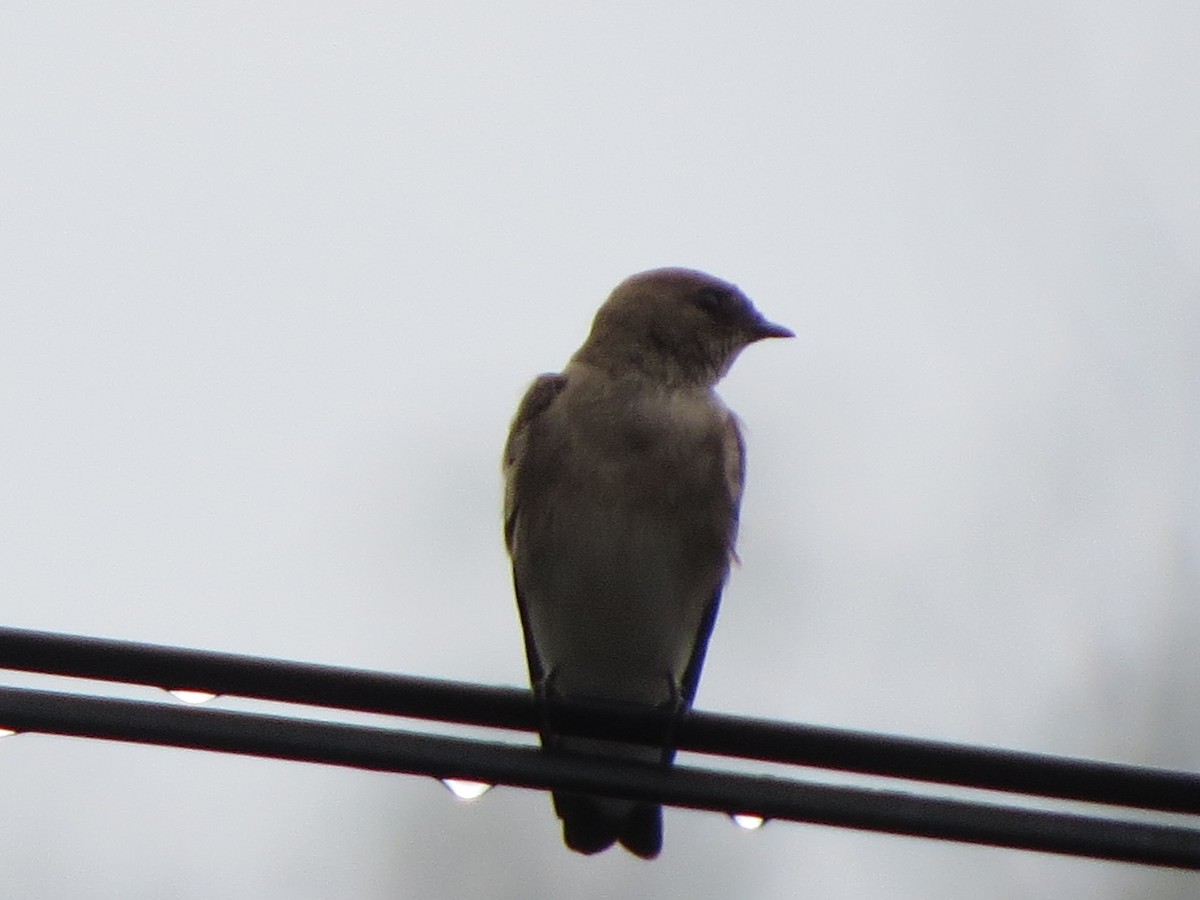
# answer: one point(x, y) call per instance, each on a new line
point(735, 470)
point(537, 400)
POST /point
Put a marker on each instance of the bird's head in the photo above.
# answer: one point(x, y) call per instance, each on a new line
point(677, 326)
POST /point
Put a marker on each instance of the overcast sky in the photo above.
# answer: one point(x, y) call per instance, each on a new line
point(273, 278)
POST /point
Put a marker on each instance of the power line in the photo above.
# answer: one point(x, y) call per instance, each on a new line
point(513, 708)
point(770, 797)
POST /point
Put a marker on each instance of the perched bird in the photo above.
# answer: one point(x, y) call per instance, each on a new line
point(623, 476)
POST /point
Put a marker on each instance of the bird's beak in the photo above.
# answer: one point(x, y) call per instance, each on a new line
point(765, 329)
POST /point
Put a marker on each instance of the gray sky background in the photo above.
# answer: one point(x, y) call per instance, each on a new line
point(274, 277)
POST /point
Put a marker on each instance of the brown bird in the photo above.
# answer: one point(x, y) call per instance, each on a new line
point(623, 478)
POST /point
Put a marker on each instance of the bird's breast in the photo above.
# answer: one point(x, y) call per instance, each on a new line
point(623, 537)
point(665, 443)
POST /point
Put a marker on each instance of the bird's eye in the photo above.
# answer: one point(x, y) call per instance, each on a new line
point(720, 305)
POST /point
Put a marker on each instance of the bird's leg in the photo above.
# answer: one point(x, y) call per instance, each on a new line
point(547, 698)
point(673, 710)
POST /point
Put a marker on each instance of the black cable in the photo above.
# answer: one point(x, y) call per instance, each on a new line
point(513, 708)
point(773, 798)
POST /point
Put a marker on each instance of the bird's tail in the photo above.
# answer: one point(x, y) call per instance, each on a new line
point(592, 824)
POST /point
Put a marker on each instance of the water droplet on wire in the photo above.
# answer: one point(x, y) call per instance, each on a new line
point(466, 790)
point(747, 821)
point(191, 697)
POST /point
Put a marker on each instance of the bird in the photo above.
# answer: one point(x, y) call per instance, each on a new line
point(623, 481)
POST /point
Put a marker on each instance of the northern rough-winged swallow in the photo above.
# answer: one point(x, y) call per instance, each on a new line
point(623, 476)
